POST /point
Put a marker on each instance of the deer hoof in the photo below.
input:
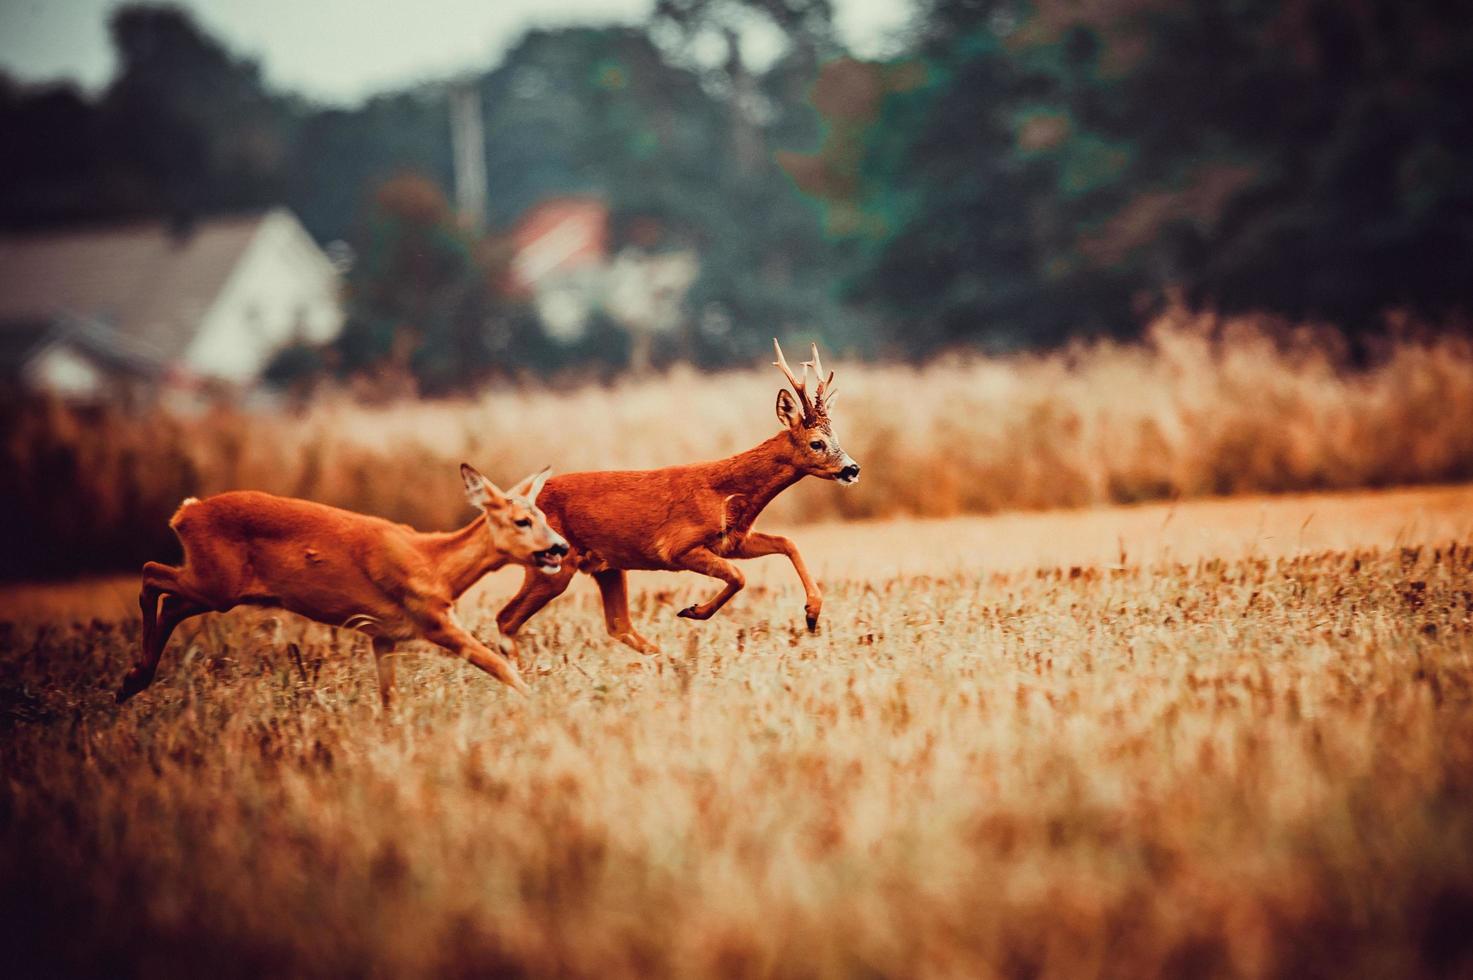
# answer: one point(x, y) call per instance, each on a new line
point(134, 682)
point(689, 612)
point(813, 622)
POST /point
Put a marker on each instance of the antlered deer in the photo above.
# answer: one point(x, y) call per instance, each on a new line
point(345, 569)
point(691, 518)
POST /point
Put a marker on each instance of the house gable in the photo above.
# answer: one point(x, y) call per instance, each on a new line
point(283, 290)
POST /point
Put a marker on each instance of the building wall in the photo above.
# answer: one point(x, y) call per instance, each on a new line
point(63, 371)
point(284, 290)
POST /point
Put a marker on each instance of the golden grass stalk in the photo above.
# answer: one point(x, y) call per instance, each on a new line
point(1203, 405)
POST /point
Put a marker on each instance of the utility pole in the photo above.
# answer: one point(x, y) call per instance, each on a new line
point(746, 138)
point(468, 141)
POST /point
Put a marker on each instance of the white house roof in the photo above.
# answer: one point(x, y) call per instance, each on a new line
point(148, 281)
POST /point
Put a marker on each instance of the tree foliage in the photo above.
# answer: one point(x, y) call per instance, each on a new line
point(1058, 169)
point(1026, 172)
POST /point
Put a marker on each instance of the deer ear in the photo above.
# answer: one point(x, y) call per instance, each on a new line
point(480, 491)
point(532, 485)
point(788, 412)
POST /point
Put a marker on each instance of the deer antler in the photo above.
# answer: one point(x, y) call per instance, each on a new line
point(817, 403)
point(819, 399)
point(799, 387)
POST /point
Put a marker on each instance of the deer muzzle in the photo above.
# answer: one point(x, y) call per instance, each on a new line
point(550, 559)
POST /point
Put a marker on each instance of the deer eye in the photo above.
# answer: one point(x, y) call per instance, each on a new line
point(524, 522)
point(816, 445)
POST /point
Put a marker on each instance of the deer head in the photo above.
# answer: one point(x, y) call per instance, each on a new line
point(518, 528)
point(815, 448)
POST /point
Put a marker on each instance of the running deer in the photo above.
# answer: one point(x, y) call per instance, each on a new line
point(345, 569)
point(688, 518)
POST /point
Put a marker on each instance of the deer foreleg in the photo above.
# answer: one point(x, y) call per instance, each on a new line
point(613, 586)
point(538, 589)
point(443, 631)
point(707, 562)
point(383, 663)
point(757, 544)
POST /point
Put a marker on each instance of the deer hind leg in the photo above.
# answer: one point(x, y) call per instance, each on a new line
point(148, 604)
point(757, 544)
point(707, 562)
point(442, 630)
point(538, 589)
point(173, 610)
point(613, 585)
point(158, 580)
point(383, 662)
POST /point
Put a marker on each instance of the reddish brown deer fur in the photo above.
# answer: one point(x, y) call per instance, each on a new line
point(690, 518)
point(344, 569)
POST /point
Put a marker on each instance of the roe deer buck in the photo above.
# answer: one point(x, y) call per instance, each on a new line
point(690, 518)
point(344, 569)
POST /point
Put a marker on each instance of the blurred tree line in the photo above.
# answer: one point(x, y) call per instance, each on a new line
point(1036, 171)
point(1022, 173)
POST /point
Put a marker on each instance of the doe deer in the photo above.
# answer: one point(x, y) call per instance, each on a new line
point(688, 518)
point(345, 569)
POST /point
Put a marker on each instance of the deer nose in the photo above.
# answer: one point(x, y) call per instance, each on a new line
point(849, 473)
point(560, 548)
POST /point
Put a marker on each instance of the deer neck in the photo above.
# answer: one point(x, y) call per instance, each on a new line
point(463, 557)
point(757, 476)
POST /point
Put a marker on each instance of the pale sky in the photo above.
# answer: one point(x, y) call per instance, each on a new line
point(342, 50)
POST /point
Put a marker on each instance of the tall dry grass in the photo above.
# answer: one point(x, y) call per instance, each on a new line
point(1203, 405)
point(1251, 767)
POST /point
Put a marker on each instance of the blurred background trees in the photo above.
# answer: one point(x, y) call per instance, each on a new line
point(1019, 175)
point(1035, 172)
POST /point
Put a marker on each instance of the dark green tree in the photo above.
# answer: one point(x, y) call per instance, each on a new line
point(49, 171)
point(424, 297)
point(191, 127)
point(1060, 169)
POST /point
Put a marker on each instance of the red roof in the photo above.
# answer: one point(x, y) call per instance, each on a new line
point(559, 235)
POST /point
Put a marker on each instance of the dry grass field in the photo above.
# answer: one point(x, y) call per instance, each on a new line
point(1222, 738)
point(1203, 406)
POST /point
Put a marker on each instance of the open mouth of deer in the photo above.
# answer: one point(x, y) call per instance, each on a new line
point(549, 561)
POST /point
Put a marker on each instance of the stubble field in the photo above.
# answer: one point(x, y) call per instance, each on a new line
point(1217, 738)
